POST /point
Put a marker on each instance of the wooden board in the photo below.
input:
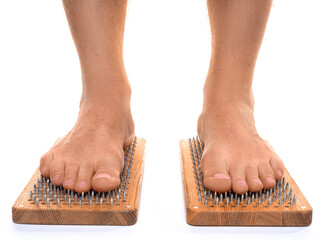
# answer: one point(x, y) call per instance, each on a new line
point(202, 209)
point(118, 207)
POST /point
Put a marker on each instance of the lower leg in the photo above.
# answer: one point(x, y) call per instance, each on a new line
point(91, 154)
point(234, 154)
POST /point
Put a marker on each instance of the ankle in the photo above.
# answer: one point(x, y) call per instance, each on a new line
point(218, 92)
point(113, 114)
point(111, 92)
point(214, 101)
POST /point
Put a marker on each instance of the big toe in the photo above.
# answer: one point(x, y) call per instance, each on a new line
point(105, 180)
point(107, 174)
point(57, 168)
point(277, 167)
point(45, 162)
point(219, 182)
point(215, 174)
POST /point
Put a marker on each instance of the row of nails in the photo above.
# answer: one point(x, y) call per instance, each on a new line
point(58, 194)
point(78, 201)
point(250, 200)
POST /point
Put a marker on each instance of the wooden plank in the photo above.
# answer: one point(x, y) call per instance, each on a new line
point(201, 214)
point(124, 212)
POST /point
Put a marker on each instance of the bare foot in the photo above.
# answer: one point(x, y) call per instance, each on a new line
point(235, 157)
point(91, 154)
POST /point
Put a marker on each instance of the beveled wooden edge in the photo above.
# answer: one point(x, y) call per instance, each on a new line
point(205, 216)
point(117, 215)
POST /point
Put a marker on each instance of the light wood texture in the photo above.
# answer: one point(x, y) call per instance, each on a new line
point(197, 213)
point(125, 212)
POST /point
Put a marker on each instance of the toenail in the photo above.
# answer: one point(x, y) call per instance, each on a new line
point(68, 182)
point(270, 180)
point(43, 169)
point(55, 178)
point(280, 173)
point(242, 183)
point(257, 181)
point(221, 176)
point(81, 184)
point(103, 175)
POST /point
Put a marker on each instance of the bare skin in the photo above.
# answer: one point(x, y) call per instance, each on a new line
point(91, 154)
point(235, 157)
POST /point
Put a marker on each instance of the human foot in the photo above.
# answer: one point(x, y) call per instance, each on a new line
point(91, 154)
point(234, 156)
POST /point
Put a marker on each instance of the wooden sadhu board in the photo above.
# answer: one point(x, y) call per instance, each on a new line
point(283, 205)
point(43, 203)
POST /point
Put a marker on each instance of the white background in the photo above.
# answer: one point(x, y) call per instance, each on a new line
point(167, 50)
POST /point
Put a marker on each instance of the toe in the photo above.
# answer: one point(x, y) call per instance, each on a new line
point(238, 175)
point(266, 176)
point(71, 175)
point(45, 162)
point(253, 180)
point(57, 168)
point(107, 175)
point(215, 174)
point(105, 180)
point(277, 167)
point(84, 178)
